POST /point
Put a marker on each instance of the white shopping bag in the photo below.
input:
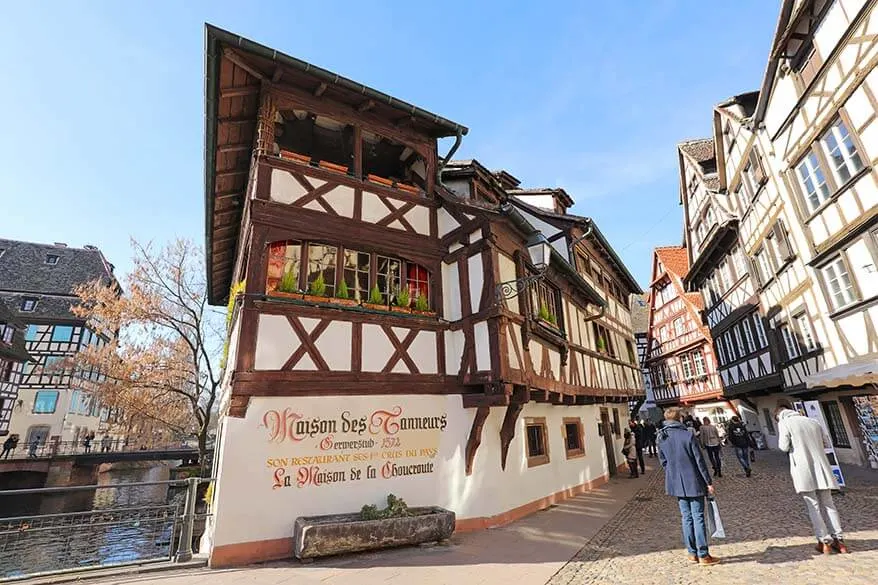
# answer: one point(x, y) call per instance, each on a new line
point(714, 522)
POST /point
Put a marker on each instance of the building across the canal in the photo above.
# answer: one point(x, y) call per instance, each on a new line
point(400, 323)
point(12, 354)
point(36, 284)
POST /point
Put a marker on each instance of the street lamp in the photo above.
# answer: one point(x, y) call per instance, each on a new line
point(540, 251)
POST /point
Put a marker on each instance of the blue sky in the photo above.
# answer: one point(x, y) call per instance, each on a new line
point(102, 137)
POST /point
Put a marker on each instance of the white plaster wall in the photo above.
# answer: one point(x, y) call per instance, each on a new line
point(447, 224)
point(248, 508)
point(454, 341)
point(451, 300)
point(483, 346)
point(476, 281)
point(541, 201)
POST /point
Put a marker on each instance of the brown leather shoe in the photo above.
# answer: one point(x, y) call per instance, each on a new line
point(708, 560)
point(693, 558)
point(825, 548)
point(840, 547)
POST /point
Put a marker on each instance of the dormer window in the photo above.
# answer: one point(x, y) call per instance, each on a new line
point(51, 259)
point(28, 304)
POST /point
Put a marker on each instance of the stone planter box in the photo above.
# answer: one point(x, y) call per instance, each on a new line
point(318, 536)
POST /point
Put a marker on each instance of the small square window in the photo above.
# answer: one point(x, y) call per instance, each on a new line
point(51, 259)
point(573, 438)
point(45, 402)
point(28, 304)
point(62, 333)
point(537, 445)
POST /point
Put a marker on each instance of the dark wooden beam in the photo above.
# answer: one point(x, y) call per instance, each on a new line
point(320, 89)
point(480, 400)
point(236, 120)
point(232, 148)
point(241, 62)
point(278, 73)
point(475, 436)
point(507, 431)
point(231, 92)
point(231, 173)
point(366, 106)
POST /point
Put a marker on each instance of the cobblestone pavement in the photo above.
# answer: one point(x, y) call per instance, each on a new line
point(768, 540)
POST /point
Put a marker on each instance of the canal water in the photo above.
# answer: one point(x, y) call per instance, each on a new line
point(108, 525)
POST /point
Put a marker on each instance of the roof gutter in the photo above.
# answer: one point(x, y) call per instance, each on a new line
point(211, 83)
point(771, 70)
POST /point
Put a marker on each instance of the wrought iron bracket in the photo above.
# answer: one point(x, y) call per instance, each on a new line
point(512, 288)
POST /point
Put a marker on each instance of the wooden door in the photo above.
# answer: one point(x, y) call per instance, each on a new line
point(608, 441)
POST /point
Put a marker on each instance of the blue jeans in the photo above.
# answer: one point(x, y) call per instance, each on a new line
point(694, 528)
point(743, 455)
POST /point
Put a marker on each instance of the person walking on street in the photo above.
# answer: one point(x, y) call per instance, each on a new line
point(639, 442)
point(687, 479)
point(630, 454)
point(740, 440)
point(805, 440)
point(713, 445)
point(649, 432)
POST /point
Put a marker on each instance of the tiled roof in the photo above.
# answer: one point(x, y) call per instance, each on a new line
point(24, 272)
point(701, 149)
point(675, 259)
point(639, 312)
point(696, 299)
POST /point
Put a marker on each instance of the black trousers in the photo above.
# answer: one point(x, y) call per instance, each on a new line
point(640, 459)
point(650, 447)
point(632, 467)
point(716, 461)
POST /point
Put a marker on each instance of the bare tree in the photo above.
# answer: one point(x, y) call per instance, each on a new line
point(160, 358)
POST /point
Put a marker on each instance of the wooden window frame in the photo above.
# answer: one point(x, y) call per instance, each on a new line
point(803, 325)
point(553, 305)
point(617, 426)
point(824, 147)
point(543, 458)
point(791, 345)
point(837, 431)
point(827, 290)
point(340, 249)
point(573, 453)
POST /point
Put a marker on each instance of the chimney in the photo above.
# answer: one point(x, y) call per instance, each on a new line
point(60, 244)
point(90, 247)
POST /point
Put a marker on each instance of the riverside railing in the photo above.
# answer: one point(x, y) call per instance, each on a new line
point(48, 449)
point(57, 530)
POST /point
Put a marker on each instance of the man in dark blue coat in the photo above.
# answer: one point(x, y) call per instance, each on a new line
point(687, 479)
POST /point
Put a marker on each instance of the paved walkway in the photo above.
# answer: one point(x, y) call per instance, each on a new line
point(626, 532)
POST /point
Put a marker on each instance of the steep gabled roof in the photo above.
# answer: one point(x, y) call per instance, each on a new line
point(25, 272)
point(675, 260)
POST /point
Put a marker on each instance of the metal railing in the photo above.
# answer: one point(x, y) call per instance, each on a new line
point(50, 449)
point(66, 529)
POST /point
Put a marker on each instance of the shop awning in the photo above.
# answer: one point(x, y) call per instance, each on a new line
point(856, 373)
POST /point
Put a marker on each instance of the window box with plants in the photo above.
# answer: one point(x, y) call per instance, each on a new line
point(317, 290)
point(376, 300)
point(286, 287)
point(402, 301)
point(371, 529)
point(422, 306)
point(343, 296)
point(547, 319)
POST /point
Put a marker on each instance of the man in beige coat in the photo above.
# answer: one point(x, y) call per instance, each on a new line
point(805, 440)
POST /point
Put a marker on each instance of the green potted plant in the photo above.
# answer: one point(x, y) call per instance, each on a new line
point(402, 301)
point(343, 296)
point(422, 306)
point(317, 290)
point(288, 286)
point(602, 345)
point(547, 317)
point(376, 300)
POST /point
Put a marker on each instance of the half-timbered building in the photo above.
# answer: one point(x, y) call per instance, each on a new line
point(680, 357)
point(12, 355)
point(36, 283)
point(399, 323)
point(816, 245)
point(639, 304)
point(719, 267)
